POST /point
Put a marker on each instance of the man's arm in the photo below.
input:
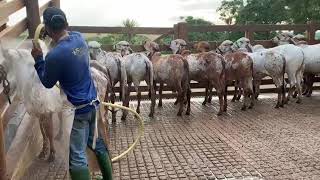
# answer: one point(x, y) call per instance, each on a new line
point(48, 70)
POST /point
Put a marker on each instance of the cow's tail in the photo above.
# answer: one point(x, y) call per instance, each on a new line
point(283, 73)
point(149, 71)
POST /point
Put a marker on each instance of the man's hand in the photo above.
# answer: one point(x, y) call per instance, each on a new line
point(36, 51)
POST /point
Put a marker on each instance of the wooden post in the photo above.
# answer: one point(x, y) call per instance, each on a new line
point(55, 3)
point(175, 31)
point(3, 164)
point(3, 26)
point(311, 32)
point(3, 168)
point(33, 16)
point(249, 34)
point(183, 31)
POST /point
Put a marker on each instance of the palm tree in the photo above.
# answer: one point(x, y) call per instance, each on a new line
point(129, 23)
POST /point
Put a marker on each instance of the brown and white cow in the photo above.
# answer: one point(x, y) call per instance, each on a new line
point(202, 46)
point(239, 68)
point(208, 68)
point(172, 70)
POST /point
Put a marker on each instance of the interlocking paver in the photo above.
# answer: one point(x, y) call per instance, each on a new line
point(263, 143)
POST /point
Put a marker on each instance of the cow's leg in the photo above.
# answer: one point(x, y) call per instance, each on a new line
point(279, 87)
point(235, 95)
point(60, 131)
point(225, 104)
point(240, 91)
point(160, 94)
point(305, 84)
point(136, 86)
point(206, 95)
point(292, 82)
point(298, 87)
point(126, 101)
point(49, 130)
point(310, 85)
point(152, 98)
point(188, 99)
point(210, 95)
point(45, 144)
point(180, 98)
point(113, 99)
point(256, 86)
point(245, 99)
point(220, 93)
point(249, 84)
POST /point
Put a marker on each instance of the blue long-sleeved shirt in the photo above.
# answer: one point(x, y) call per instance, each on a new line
point(68, 63)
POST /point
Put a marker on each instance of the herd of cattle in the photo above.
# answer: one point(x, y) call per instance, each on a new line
point(239, 63)
point(231, 62)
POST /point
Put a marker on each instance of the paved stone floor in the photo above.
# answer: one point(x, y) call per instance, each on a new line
point(263, 143)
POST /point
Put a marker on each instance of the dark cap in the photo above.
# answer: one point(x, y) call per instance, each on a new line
point(55, 18)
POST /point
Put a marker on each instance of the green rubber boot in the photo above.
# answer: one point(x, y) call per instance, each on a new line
point(80, 174)
point(105, 165)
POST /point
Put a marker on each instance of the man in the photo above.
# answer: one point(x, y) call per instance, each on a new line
point(68, 63)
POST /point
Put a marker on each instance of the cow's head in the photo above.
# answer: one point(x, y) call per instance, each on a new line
point(94, 49)
point(151, 48)
point(242, 43)
point(123, 47)
point(225, 47)
point(178, 45)
point(258, 48)
point(202, 46)
point(282, 38)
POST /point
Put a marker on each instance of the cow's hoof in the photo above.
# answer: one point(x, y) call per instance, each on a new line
point(52, 157)
point(179, 114)
point(298, 101)
point(251, 106)
point(219, 113)
point(176, 102)
point(42, 155)
point(188, 113)
point(58, 137)
point(204, 103)
point(233, 99)
point(159, 104)
point(151, 115)
point(123, 118)
point(209, 100)
point(243, 108)
point(308, 95)
point(277, 106)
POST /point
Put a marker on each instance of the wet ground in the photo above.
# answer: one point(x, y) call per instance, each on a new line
point(263, 143)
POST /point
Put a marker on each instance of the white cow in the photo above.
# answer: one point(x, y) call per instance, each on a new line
point(294, 57)
point(113, 62)
point(138, 68)
point(311, 58)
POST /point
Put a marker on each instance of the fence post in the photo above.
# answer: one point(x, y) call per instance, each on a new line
point(311, 32)
point(3, 166)
point(55, 3)
point(183, 30)
point(4, 25)
point(175, 31)
point(249, 33)
point(33, 16)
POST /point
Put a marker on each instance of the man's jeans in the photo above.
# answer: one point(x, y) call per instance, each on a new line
point(82, 136)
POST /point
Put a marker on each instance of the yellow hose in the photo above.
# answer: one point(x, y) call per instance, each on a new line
point(141, 128)
point(141, 124)
point(37, 34)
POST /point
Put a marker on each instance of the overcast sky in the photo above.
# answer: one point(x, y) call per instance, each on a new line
point(156, 13)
